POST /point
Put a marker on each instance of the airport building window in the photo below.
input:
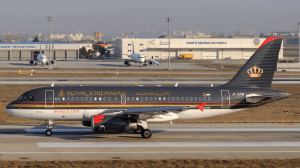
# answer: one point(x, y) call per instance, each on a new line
point(129, 44)
point(173, 98)
point(77, 98)
point(141, 44)
point(129, 50)
point(82, 98)
point(104, 98)
point(109, 98)
point(190, 50)
point(52, 46)
point(73, 98)
point(141, 50)
point(151, 98)
point(86, 99)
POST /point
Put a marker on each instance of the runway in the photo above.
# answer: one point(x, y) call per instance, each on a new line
point(132, 81)
point(169, 141)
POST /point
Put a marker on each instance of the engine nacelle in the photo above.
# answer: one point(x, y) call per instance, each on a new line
point(126, 62)
point(31, 62)
point(86, 123)
point(52, 62)
point(109, 123)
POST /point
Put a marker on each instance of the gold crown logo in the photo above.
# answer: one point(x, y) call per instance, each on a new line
point(255, 72)
point(61, 93)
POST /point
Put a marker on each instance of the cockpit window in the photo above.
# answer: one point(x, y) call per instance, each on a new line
point(25, 97)
point(30, 97)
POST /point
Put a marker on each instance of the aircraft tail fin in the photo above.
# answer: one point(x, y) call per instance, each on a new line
point(258, 71)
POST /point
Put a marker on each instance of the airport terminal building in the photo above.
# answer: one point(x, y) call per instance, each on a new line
point(27, 50)
point(201, 48)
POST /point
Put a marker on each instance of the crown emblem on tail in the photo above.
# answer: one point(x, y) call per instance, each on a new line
point(255, 72)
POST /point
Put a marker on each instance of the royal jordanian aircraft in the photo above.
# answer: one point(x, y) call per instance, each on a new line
point(125, 108)
point(138, 58)
point(41, 58)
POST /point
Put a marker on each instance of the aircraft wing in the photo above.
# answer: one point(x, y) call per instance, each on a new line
point(254, 98)
point(156, 62)
point(149, 110)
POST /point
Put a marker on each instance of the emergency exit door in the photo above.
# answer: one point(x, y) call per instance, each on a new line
point(49, 98)
point(225, 96)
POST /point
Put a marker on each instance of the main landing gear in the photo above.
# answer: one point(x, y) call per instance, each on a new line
point(146, 133)
point(48, 132)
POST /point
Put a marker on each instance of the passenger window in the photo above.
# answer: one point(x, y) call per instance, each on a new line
point(137, 98)
point(159, 98)
point(86, 99)
point(73, 98)
point(142, 99)
point(68, 98)
point(182, 98)
point(55, 98)
point(59, 98)
point(132, 98)
point(99, 98)
point(128, 98)
point(191, 98)
point(173, 98)
point(200, 98)
point(186, 99)
point(209, 98)
point(151, 98)
point(169, 98)
point(155, 98)
point(178, 98)
point(116, 98)
point(104, 98)
point(63, 99)
point(77, 98)
point(146, 98)
point(195, 98)
point(164, 99)
point(95, 98)
point(109, 98)
point(204, 98)
point(82, 98)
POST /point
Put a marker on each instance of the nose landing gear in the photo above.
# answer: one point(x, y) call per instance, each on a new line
point(48, 132)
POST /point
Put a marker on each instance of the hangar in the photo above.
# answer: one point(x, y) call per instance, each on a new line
point(201, 48)
point(28, 50)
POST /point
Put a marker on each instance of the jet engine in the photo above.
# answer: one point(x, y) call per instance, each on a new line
point(86, 123)
point(31, 62)
point(108, 123)
point(52, 62)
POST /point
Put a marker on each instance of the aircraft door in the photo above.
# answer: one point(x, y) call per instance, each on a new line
point(123, 99)
point(49, 98)
point(225, 96)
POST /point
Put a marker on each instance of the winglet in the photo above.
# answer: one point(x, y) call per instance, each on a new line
point(201, 106)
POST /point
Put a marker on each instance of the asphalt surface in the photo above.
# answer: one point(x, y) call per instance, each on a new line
point(131, 81)
point(169, 141)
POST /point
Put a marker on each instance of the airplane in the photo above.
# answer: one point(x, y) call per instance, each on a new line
point(139, 58)
point(130, 108)
point(41, 58)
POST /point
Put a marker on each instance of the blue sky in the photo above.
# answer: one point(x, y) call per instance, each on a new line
point(227, 16)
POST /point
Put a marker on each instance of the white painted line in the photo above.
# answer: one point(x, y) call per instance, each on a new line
point(163, 144)
point(187, 130)
point(150, 152)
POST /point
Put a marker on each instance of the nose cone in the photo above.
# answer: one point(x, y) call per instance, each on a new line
point(9, 108)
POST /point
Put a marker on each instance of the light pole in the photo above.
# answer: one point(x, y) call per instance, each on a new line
point(299, 43)
point(169, 20)
point(49, 19)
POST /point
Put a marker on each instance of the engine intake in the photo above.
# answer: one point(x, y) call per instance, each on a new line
point(108, 123)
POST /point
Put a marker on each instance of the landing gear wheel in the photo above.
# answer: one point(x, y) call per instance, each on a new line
point(48, 132)
point(146, 133)
point(138, 130)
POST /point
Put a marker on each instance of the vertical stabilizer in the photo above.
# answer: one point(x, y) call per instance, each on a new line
point(258, 71)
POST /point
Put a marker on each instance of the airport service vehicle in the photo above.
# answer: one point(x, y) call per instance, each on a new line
point(130, 108)
point(186, 56)
point(139, 58)
point(41, 58)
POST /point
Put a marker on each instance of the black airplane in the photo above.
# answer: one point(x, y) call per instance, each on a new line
point(130, 108)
